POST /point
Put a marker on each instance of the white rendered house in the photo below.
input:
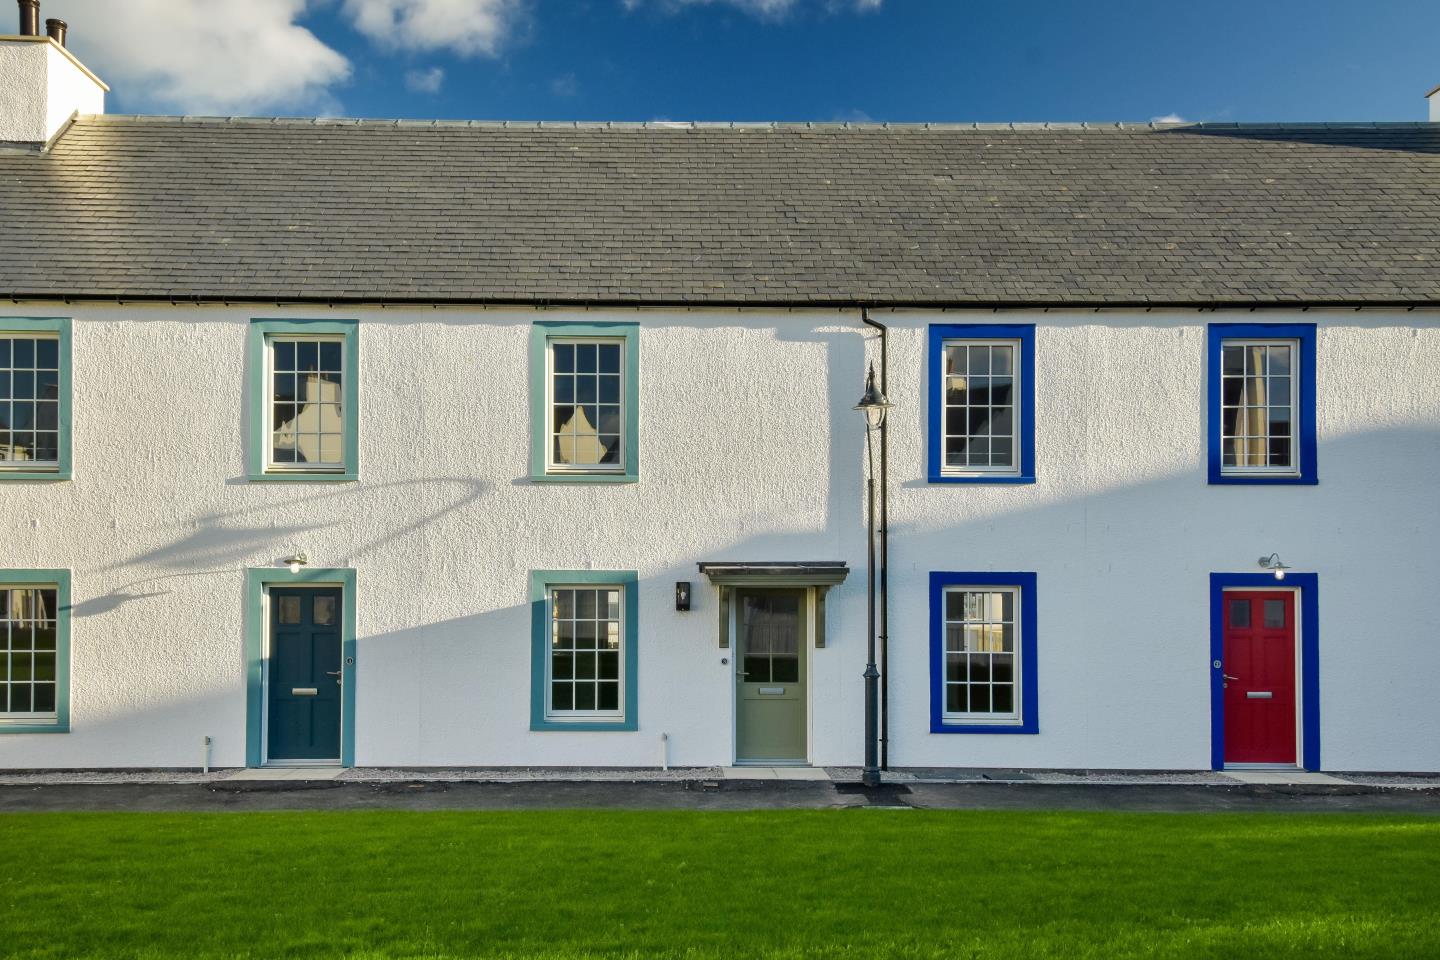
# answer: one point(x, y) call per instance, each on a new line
point(456, 444)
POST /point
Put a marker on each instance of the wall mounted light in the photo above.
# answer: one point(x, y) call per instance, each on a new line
point(1274, 564)
point(682, 595)
point(297, 561)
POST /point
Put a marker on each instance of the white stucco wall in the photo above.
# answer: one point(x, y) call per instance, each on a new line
point(41, 87)
point(749, 451)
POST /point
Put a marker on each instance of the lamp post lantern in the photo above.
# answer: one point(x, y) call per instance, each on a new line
point(874, 405)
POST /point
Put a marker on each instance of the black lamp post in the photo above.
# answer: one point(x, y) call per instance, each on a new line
point(874, 406)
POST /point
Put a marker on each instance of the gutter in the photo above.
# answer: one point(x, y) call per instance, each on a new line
point(705, 303)
point(884, 543)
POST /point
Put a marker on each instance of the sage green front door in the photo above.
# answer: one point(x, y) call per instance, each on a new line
point(770, 700)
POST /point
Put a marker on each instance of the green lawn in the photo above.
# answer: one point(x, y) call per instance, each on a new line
point(848, 883)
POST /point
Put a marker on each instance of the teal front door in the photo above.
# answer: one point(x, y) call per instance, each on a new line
point(304, 683)
point(770, 701)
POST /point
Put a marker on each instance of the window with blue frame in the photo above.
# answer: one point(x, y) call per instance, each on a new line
point(982, 653)
point(583, 656)
point(1261, 403)
point(34, 398)
point(982, 403)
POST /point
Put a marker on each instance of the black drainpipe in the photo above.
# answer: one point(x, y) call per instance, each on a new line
point(884, 544)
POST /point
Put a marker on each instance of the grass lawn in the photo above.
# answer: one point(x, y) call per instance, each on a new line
point(851, 883)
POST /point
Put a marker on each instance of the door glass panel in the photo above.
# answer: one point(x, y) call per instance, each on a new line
point(1239, 613)
point(770, 624)
point(324, 611)
point(289, 610)
point(1274, 614)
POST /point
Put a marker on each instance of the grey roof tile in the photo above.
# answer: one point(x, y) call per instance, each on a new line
point(282, 209)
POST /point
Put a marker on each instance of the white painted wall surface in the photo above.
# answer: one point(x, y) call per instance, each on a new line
point(749, 451)
point(41, 87)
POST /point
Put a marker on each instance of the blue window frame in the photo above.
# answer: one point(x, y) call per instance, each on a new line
point(584, 659)
point(976, 684)
point(35, 647)
point(35, 371)
point(981, 403)
point(304, 400)
point(1309, 607)
point(1260, 404)
point(585, 402)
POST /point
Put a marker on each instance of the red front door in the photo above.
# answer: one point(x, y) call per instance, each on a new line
point(1259, 676)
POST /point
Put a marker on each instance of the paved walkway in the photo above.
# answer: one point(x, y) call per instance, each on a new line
point(719, 788)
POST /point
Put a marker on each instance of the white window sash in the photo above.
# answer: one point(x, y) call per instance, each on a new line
point(26, 466)
point(1253, 469)
point(268, 414)
point(582, 468)
point(1016, 413)
point(580, 716)
point(1012, 718)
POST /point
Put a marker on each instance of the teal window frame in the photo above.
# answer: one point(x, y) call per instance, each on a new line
point(59, 327)
point(261, 330)
point(541, 333)
point(60, 580)
point(257, 579)
point(540, 583)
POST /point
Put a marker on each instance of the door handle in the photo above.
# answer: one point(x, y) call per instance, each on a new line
point(332, 673)
point(1228, 677)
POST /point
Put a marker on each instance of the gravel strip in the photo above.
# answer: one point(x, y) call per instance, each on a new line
point(521, 774)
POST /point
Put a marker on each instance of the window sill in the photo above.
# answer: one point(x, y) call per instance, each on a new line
point(346, 476)
point(981, 478)
point(56, 475)
point(1260, 479)
point(984, 728)
point(584, 478)
point(583, 726)
point(33, 727)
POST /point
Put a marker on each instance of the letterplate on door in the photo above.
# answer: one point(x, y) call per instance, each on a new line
point(304, 691)
point(1258, 695)
point(772, 691)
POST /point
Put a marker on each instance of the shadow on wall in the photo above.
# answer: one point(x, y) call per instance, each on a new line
point(1368, 472)
point(224, 547)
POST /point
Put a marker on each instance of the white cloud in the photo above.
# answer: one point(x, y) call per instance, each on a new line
point(206, 56)
point(425, 81)
point(565, 85)
point(1169, 118)
point(763, 9)
point(465, 27)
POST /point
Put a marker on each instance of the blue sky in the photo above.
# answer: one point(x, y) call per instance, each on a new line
point(823, 60)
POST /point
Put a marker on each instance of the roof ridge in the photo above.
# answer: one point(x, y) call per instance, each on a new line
point(1119, 125)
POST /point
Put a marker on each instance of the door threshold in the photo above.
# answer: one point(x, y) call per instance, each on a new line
point(1261, 766)
point(772, 763)
point(310, 772)
point(773, 772)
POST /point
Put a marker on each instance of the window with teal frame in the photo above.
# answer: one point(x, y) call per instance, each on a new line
point(584, 402)
point(34, 651)
point(304, 400)
point(35, 375)
point(584, 661)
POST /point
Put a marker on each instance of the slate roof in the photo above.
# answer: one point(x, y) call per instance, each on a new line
point(135, 207)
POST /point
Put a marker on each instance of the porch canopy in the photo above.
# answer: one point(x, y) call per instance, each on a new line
point(819, 575)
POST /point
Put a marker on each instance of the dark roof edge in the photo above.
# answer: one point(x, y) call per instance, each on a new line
point(839, 303)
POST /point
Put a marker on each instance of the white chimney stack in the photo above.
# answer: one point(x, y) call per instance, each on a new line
point(42, 85)
point(1434, 97)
